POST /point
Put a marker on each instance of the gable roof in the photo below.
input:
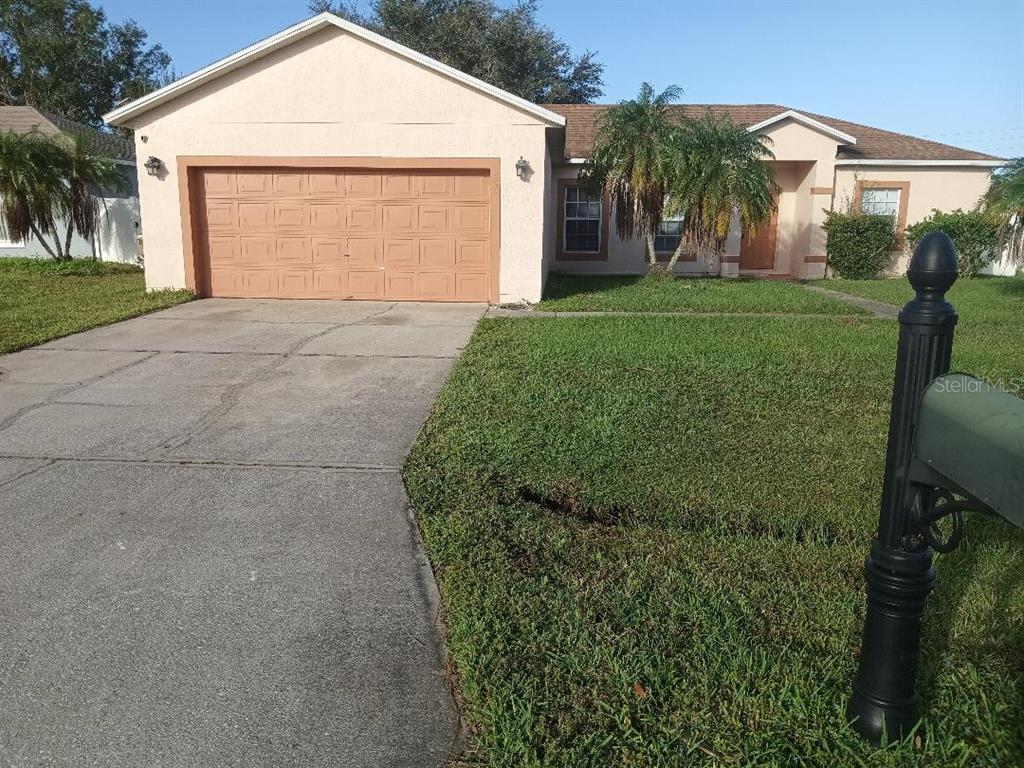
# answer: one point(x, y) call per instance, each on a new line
point(869, 144)
point(298, 31)
point(24, 119)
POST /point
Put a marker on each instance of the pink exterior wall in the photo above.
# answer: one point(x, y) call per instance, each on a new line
point(333, 95)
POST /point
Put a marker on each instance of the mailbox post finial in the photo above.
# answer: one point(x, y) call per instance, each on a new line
point(899, 568)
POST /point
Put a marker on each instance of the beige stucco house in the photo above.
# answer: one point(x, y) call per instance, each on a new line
point(329, 162)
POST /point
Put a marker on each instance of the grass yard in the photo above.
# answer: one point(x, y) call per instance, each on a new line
point(649, 535)
point(43, 299)
point(636, 293)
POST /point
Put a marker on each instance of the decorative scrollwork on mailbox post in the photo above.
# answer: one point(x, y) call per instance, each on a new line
point(956, 444)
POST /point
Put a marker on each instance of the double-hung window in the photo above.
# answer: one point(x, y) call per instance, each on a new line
point(666, 239)
point(582, 222)
point(880, 202)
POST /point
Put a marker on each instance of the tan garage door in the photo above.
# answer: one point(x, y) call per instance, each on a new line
point(423, 235)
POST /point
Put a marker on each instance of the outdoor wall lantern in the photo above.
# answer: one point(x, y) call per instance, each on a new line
point(153, 165)
point(522, 168)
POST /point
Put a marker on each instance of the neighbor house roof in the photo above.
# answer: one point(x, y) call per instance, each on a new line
point(303, 29)
point(581, 123)
point(24, 119)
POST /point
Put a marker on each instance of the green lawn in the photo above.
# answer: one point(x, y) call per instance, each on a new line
point(42, 299)
point(649, 534)
point(634, 293)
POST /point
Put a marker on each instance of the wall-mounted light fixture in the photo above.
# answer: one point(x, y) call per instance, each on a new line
point(522, 168)
point(153, 165)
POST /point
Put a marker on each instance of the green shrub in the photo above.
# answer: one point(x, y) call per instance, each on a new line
point(859, 245)
point(975, 234)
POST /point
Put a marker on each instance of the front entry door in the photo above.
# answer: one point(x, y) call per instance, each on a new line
point(758, 252)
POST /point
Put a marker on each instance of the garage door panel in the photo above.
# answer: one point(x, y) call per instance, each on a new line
point(221, 214)
point(472, 252)
point(254, 183)
point(471, 286)
point(362, 185)
point(399, 252)
point(295, 284)
point(256, 249)
point(398, 185)
point(362, 217)
point(223, 249)
point(326, 216)
point(435, 185)
point(291, 216)
point(346, 233)
point(471, 187)
point(437, 252)
point(365, 284)
point(400, 286)
point(471, 218)
point(400, 218)
point(226, 281)
point(433, 218)
point(290, 184)
point(255, 216)
point(363, 251)
point(259, 282)
point(325, 250)
point(326, 183)
point(290, 250)
point(437, 286)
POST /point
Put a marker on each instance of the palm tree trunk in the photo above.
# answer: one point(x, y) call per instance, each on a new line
point(42, 241)
point(675, 255)
point(67, 241)
point(652, 258)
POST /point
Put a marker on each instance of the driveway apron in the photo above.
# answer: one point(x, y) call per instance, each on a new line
point(206, 555)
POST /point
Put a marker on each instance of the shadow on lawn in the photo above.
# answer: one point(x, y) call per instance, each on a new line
point(565, 286)
point(1002, 635)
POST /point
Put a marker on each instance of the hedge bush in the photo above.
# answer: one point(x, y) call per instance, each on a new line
point(859, 245)
point(975, 234)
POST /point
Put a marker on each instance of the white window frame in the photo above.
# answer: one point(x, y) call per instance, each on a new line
point(871, 191)
point(668, 219)
point(566, 218)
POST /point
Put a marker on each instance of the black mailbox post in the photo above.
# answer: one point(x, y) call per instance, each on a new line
point(946, 454)
point(899, 569)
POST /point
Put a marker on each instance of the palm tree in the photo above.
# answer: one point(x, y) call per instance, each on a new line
point(48, 179)
point(30, 187)
point(88, 175)
point(634, 155)
point(722, 169)
point(1005, 201)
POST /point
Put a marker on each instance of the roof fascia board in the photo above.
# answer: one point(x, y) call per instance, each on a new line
point(923, 163)
point(227, 64)
point(792, 114)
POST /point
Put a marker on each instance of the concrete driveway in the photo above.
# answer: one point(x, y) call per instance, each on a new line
point(206, 558)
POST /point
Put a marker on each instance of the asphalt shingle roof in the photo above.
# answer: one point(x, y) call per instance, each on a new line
point(581, 121)
point(24, 119)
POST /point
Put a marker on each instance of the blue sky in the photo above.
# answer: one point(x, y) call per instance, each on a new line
point(951, 71)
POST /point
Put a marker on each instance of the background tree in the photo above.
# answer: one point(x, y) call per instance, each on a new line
point(1005, 201)
point(52, 187)
point(722, 170)
point(506, 47)
point(636, 152)
point(64, 56)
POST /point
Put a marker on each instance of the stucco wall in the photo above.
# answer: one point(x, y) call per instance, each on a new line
point(332, 95)
point(943, 188)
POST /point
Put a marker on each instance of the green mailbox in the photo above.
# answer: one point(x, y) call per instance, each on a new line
point(970, 440)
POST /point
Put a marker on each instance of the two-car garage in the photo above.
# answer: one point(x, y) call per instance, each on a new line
point(329, 162)
point(343, 232)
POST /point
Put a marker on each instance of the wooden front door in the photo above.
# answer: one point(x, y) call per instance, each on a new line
point(758, 252)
